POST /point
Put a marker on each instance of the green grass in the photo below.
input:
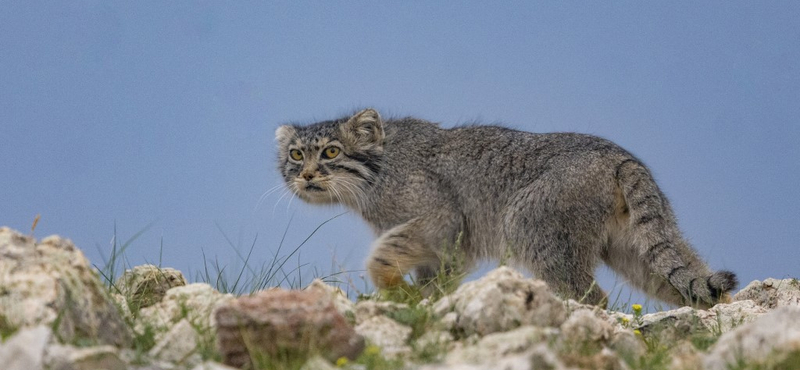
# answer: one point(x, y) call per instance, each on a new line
point(656, 357)
point(6, 328)
point(116, 262)
point(247, 278)
point(373, 359)
point(276, 272)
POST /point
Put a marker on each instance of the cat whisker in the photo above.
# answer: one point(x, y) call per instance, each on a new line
point(272, 190)
point(335, 193)
point(290, 201)
point(357, 193)
point(283, 194)
point(266, 194)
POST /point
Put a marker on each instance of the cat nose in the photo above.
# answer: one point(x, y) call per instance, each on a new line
point(307, 175)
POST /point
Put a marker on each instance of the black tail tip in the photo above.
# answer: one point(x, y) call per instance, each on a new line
point(723, 281)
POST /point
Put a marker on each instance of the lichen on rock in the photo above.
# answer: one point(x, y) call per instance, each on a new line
point(55, 313)
point(145, 285)
point(195, 302)
point(386, 333)
point(771, 293)
point(764, 343)
point(52, 283)
point(500, 301)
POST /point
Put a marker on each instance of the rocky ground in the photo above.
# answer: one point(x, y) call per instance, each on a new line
point(57, 313)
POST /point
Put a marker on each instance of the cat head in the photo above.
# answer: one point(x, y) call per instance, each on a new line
point(332, 161)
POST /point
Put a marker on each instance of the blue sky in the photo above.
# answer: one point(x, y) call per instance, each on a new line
point(163, 113)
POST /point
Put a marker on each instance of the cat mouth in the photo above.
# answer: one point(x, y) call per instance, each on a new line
point(314, 193)
point(313, 188)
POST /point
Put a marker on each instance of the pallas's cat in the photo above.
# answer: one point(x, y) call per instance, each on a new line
point(557, 203)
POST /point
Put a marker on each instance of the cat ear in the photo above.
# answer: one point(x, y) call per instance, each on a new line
point(365, 128)
point(284, 133)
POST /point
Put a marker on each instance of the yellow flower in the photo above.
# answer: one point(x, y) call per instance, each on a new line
point(625, 320)
point(341, 361)
point(372, 350)
point(637, 332)
point(637, 309)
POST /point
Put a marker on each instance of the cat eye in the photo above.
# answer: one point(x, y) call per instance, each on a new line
point(330, 152)
point(296, 155)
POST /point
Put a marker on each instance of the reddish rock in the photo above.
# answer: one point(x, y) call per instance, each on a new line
point(281, 325)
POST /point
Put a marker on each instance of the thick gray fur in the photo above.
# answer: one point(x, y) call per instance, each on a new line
point(556, 203)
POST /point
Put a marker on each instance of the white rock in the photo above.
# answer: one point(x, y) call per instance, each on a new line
point(771, 293)
point(449, 320)
point(53, 279)
point(725, 317)
point(25, 349)
point(318, 363)
point(718, 319)
point(671, 326)
point(572, 305)
point(365, 310)
point(542, 357)
point(618, 320)
point(456, 367)
point(583, 326)
point(585, 340)
point(667, 317)
point(494, 347)
point(210, 365)
point(178, 345)
point(766, 341)
point(538, 357)
point(626, 344)
point(67, 357)
point(345, 306)
point(386, 333)
point(501, 300)
point(685, 357)
point(146, 285)
point(608, 359)
point(435, 338)
point(194, 302)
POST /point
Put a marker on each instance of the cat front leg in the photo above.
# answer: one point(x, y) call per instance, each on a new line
point(413, 244)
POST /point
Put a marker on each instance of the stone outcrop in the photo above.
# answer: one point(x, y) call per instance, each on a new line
point(367, 309)
point(724, 317)
point(494, 347)
point(52, 283)
point(500, 301)
point(26, 348)
point(682, 322)
point(210, 365)
point(179, 345)
point(771, 293)
point(345, 306)
point(585, 342)
point(284, 324)
point(67, 357)
point(145, 285)
point(56, 314)
point(767, 342)
point(386, 333)
point(539, 356)
point(195, 302)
